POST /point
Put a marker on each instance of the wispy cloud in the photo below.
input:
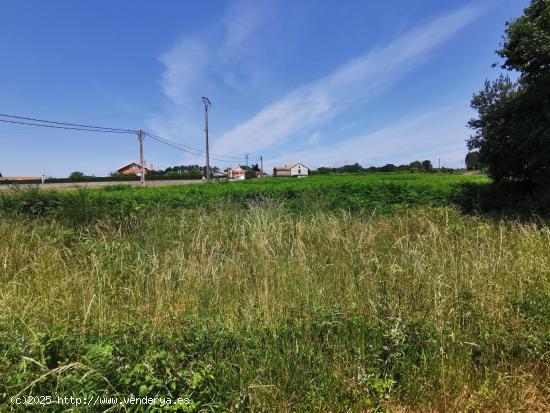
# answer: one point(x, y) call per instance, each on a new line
point(241, 22)
point(361, 78)
point(192, 63)
point(184, 67)
point(430, 135)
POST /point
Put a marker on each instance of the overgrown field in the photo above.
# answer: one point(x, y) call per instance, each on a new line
point(382, 192)
point(271, 307)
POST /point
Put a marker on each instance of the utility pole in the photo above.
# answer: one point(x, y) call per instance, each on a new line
point(261, 166)
point(246, 155)
point(207, 104)
point(439, 164)
point(141, 157)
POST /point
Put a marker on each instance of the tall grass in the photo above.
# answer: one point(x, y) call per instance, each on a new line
point(262, 310)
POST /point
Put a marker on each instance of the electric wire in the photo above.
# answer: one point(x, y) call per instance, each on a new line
point(66, 123)
point(202, 152)
point(66, 127)
point(184, 148)
point(194, 151)
point(30, 121)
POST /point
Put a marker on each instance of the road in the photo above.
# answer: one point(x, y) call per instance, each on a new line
point(72, 185)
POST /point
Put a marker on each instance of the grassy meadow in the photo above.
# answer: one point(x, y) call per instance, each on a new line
point(344, 293)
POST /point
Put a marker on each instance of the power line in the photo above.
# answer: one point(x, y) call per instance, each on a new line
point(67, 124)
point(172, 144)
point(67, 127)
point(178, 146)
point(188, 149)
point(236, 158)
point(29, 121)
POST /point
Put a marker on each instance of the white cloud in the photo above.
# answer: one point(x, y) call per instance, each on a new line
point(184, 67)
point(189, 60)
point(360, 78)
point(194, 61)
point(431, 135)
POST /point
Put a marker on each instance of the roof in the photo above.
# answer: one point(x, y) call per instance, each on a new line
point(289, 166)
point(149, 167)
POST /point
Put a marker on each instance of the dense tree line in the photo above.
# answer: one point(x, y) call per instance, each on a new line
point(184, 171)
point(416, 166)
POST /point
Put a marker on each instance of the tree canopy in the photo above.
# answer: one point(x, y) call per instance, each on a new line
point(473, 162)
point(512, 130)
point(427, 166)
point(76, 175)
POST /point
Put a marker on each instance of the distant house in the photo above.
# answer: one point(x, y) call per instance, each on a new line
point(135, 168)
point(220, 175)
point(236, 173)
point(293, 169)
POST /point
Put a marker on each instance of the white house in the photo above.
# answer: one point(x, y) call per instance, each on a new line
point(293, 169)
point(236, 173)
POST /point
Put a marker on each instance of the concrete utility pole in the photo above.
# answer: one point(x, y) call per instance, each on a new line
point(439, 164)
point(141, 157)
point(261, 166)
point(207, 104)
point(246, 155)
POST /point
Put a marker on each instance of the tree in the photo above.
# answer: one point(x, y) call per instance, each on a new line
point(250, 174)
point(324, 170)
point(526, 45)
point(351, 168)
point(76, 175)
point(185, 169)
point(472, 161)
point(415, 166)
point(512, 130)
point(427, 166)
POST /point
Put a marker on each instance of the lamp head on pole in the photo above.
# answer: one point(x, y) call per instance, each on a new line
point(206, 102)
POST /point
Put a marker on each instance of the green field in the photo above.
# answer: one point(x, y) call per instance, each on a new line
point(338, 293)
point(381, 192)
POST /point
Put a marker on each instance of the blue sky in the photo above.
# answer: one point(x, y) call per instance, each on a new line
point(320, 82)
